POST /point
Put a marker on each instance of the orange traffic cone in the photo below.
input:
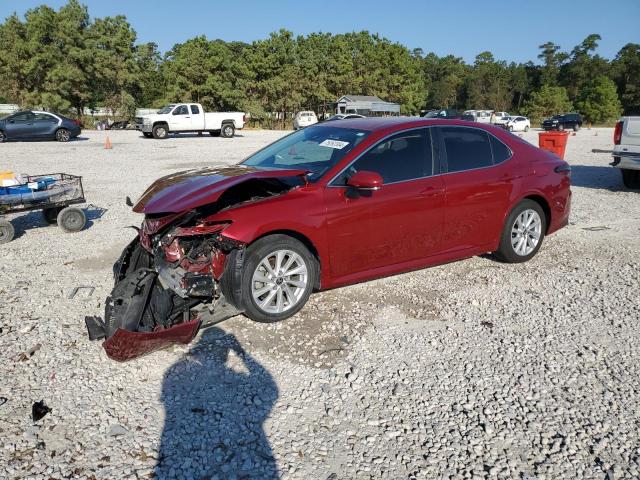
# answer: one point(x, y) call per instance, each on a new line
point(107, 144)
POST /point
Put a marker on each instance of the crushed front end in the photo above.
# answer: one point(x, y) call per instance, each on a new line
point(164, 279)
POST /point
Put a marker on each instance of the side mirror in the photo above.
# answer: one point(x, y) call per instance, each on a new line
point(365, 180)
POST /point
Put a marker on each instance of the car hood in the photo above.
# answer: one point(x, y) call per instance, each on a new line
point(183, 191)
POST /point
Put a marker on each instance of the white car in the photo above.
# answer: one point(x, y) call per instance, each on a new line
point(304, 119)
point(189, 117)
point(626, 150)
point(500, 118)
point(481, 116)
point(518, 124)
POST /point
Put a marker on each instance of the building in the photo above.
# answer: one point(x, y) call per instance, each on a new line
point(369, 106)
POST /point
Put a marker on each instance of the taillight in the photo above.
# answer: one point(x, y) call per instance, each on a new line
point(244, 118)
point(617, 133)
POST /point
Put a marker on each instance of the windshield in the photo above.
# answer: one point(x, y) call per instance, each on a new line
point(315, 149)
point(167, 109)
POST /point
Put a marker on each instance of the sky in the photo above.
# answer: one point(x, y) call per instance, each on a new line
point(511, 30)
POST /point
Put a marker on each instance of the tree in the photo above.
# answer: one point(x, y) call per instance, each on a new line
point(599, 102)
point(583, 66)
point(626, 72)
point(553, 59)
point(547, 101)
point(488, 84)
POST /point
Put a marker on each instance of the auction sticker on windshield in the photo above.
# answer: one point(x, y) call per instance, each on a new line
point(334, 144)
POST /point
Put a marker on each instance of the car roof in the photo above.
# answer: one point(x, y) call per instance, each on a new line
point(401, 123)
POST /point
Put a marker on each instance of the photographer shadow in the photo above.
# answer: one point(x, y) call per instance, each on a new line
point(216, 399)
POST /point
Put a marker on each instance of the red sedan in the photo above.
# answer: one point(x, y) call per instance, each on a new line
point(330, 205)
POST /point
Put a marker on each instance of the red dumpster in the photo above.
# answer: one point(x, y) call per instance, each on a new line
point(555, 142)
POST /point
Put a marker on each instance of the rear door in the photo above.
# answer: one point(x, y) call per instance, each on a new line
point(398, 223)
point(197, 117)
point(478, 188)
point(44, 125)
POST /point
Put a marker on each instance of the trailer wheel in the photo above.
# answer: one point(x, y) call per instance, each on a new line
point(228, 130)
point(51, 215)
point(7, 232)
point(71, 219)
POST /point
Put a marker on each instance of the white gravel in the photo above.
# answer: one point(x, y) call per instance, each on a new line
point(474, 369)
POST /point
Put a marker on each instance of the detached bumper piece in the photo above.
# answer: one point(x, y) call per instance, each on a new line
point(141, 317)
point(125, 345)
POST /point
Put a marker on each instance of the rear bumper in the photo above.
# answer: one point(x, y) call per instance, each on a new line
point(626, 160)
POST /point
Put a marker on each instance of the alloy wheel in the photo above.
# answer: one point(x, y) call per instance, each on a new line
point(526, 232)
point(63, 135)
point(279, 281)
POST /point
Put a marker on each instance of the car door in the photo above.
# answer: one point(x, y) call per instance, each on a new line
point(20, 126)
point(44, 125)
point(477, 188)
point(398, 223)
point(180, 120)
point(197, 118)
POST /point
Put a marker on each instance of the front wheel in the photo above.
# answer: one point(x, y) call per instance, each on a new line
point(228, 130)
point(277, 279)
point(560, 128)
point(160, 132)
point(63, 135)
point(631, 178)
point(523, 233)
point(71, 219)
point(526, 128)
point(576, 127)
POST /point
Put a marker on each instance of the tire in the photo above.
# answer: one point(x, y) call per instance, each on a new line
point(526, 128)
point(147, 135)
point(160, 132)
point(7, 232)
point(561, 128)
point(512, 234)
point(576, 127)
point(51, 215)
point(266, 249)
point(228, 130)
point(71, 219)
point(631, 178)
point(63, 135)
point(3, 137)
point(510, 128)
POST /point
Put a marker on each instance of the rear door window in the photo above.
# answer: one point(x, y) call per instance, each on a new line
point(45, 117)
point(466, 148)
point(195, 110)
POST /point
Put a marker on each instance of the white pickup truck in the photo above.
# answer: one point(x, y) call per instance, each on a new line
point(626, 150)
point(189, 117)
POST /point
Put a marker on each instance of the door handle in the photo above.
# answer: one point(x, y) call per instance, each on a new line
point(187, 117)
point(431, 191)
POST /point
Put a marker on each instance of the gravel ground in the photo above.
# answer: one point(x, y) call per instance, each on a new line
point(474, 369)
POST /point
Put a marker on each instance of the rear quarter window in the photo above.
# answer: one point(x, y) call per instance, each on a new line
point(501, 152)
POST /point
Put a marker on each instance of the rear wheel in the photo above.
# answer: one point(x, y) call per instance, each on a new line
point(523, 233)
point(278, 277)
point(228, 130)
point(71, 219)
point(51, 215)
point(631, 178)
point(160, 132)
point(63, 135)
point(526, 128)
point(576, 127)
point(3, 137)
point(7, 232)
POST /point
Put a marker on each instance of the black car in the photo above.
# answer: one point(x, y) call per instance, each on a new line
point(35, 125)
point(563, 122)
point(443, 113)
